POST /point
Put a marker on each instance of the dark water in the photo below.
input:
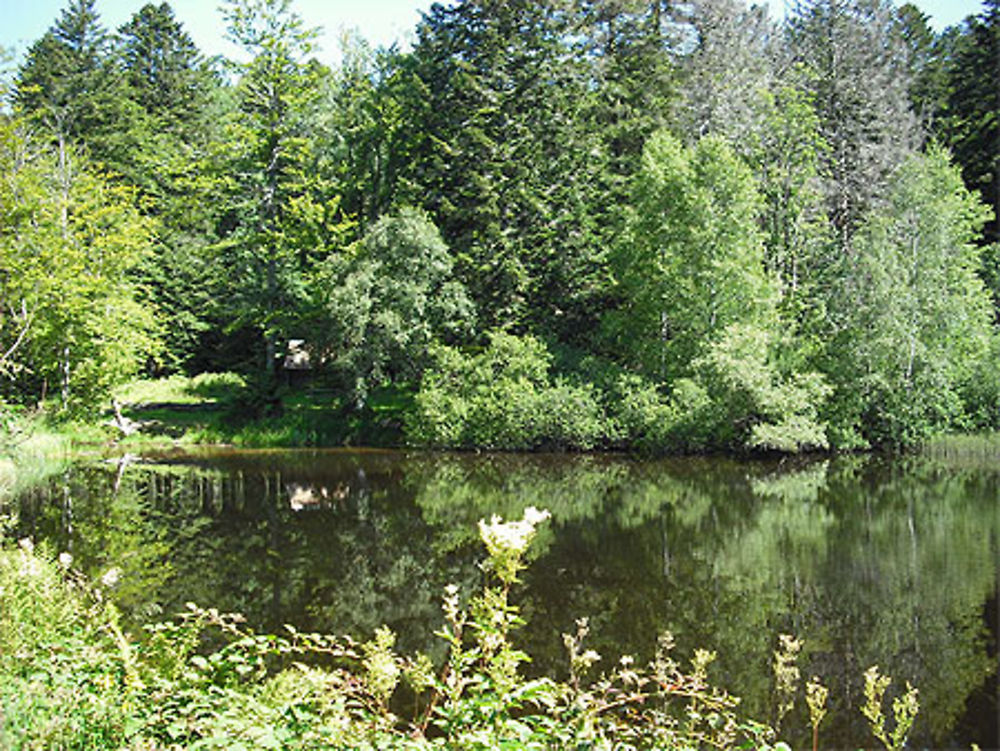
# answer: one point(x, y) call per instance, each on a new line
point(867, 560)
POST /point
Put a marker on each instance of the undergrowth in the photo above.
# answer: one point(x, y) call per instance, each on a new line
point(71, 678)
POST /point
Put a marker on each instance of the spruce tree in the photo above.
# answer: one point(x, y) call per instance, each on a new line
point(69, 82)
point(973, 122)
point(505, 167)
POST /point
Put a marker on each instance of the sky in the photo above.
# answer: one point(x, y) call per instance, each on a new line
point(381, 22)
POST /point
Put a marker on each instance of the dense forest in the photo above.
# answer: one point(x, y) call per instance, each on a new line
point(549, 223)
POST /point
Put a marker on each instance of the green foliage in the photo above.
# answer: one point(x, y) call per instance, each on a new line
point(503, 162)
point(386, 303)
point(73, 679)
point(68, 672)
point(785, 154)
point(691, 261)
point(234, 213)
point(69, 242)
point(163, 68)
point(68, 84)
point(641, 416)
point(904, 710)
point(972, 115)
point(750, 403)
point(283, 218)
point(908, 315)
point(504, 398)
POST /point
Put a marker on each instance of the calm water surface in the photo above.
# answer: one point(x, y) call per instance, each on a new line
point(867, 560)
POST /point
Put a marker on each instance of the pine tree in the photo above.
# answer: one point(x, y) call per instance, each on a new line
point(164, 70)
point(631, 47)
point(502, 160)
point(972, 128)
point(68, 81)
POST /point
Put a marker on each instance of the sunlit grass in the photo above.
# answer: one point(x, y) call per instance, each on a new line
point(179, 389)
point(32, 456)
point(208, 409)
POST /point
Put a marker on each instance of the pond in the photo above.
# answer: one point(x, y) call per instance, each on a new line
point(868, 560)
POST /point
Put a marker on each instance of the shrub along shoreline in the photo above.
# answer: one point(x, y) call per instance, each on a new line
point(511, 396)
point(504, 398)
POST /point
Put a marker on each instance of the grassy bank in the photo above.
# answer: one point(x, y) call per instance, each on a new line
point(208, 409)
point(31, 450)
point(226, 409)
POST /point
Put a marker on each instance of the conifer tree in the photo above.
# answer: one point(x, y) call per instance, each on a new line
point(68, 81)
point(505, 168)
point(973, 122)
point(164, 70)
point(861, 85)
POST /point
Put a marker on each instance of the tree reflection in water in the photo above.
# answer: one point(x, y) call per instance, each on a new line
point(867, 560)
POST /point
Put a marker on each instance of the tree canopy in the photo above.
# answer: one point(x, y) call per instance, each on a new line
point(702, 227)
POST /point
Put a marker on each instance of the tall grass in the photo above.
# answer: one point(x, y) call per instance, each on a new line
point(964, 447)
point(30, 455)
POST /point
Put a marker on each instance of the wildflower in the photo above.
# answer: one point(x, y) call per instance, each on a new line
point(65, 560)
point(450, 603)
point(511, 536)
point(816, 696)
point(506, 542)
point(29, 567)
point(786, 673)
point(29, 564)
point(534, 517)
point(111, 577)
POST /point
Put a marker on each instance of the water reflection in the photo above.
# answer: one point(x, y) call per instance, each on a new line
point(867, 560)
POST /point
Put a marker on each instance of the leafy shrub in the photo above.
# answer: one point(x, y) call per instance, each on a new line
point(750, 403)
point(66, 671)
point(503, 398)
point(384, 302)
point(643, 417)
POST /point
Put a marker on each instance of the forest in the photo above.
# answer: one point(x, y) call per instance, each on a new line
point(575, 224)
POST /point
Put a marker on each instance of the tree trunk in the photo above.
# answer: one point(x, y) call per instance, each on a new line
point(65, 377)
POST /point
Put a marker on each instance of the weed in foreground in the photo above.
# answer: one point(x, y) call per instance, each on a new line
point(71, 678)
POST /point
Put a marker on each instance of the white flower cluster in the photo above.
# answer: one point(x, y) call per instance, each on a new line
point(588, 658)
point(111, 577)
point(512, 537)
point(29, 563)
